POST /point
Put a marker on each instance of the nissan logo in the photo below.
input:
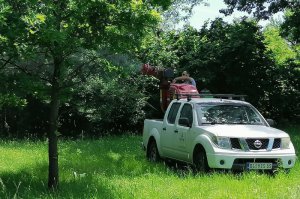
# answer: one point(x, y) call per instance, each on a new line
point(257, 144)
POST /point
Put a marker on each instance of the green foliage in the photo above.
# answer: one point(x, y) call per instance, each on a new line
point(290, 26)
point(113, 104)
point(16, 102)
point(116, 167)
point(179, 12)
point(224, 57)
point(73, 24)
point(11, 100)
point(4, 10)
point(93, 46)
point(10, 95)
point(261, 8)
point(158, 51)
point(278, 45)
point(286, 56)
point(286, 91)
point(290, 30)
point(234, 58)
point(62, 43)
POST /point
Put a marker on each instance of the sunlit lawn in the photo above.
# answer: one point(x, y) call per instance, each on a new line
point(115, 167)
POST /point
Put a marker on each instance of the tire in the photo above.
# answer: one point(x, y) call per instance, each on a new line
point(152, 152)
point(200, 161)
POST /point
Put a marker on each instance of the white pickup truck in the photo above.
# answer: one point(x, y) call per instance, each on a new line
point(217, 133)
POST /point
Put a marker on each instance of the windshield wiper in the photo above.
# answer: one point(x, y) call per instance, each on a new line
point(244, 122)
point(213, 123)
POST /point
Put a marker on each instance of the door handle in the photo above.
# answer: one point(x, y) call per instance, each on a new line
point(176, 131)
point(164, 129)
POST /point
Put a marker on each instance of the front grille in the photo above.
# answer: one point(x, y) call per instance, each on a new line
point(235, 144)
point(253, 143)
point(239, 143)
point(277, 143)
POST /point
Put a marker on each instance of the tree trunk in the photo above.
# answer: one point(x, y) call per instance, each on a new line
point(53, 178)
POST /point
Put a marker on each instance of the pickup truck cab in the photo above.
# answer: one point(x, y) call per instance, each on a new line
point(217, 133)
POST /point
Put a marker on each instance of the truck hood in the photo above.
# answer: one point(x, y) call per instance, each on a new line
point(244, 131)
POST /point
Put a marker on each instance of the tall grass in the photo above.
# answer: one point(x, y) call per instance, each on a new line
point(115, 167)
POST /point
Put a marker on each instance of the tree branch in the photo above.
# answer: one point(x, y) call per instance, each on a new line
point(22, 69)
point(5, 62)
point(76, 72)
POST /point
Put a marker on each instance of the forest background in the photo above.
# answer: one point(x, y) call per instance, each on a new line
point(100, 88)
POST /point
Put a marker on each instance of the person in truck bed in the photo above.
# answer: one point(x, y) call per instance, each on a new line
point(185, 79)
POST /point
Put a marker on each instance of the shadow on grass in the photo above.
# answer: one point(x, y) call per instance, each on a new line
point(25, 184)
point(182, 169)
point(85, 170)
point(88, 169)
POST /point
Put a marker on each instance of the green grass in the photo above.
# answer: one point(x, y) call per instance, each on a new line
point(116, 167)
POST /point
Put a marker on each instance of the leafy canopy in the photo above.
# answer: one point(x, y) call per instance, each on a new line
point(262, 9)
point(76, 23)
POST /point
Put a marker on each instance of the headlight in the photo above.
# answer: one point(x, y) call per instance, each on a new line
point(285, 143)
point(222, 142)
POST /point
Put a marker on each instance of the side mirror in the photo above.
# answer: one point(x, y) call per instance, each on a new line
point(271, 122)
point(184, 121)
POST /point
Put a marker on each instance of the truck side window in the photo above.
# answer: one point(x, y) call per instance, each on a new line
point(173, 112)
point(187, 112)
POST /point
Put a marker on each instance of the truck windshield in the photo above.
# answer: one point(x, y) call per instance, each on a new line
point(215, 113)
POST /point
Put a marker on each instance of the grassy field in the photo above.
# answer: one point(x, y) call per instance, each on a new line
point(115, 167)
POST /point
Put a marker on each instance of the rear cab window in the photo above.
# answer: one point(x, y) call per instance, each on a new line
point(173, 112)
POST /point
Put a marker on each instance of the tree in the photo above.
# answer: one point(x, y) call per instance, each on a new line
point(57, 40)
point(290, 31)
point(113, 102)
point(261, 9)
point(222, 57)
point(179, 11)
point(278, 45)
point(227, 58)
point(289, 28)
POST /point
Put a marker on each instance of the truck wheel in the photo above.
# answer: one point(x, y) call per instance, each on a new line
point(152, 152)
point(200, 161)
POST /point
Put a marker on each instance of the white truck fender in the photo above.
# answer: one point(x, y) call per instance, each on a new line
point(205, 141)
point(154, 133)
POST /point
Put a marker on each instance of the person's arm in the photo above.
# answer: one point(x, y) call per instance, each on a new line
point(183, 78)
point(193, 82)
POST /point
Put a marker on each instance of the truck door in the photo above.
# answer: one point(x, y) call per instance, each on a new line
point(184, 131)
point(169, 131)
